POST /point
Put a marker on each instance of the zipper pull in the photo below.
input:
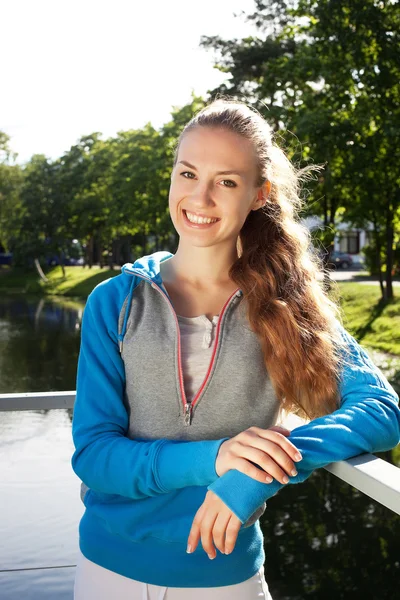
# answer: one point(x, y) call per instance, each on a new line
point(188, 414)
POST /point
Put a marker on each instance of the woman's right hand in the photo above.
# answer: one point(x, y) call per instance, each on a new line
point(267, 448)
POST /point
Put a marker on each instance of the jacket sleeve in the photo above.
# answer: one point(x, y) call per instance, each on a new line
point(368, 420)
point(105, 459)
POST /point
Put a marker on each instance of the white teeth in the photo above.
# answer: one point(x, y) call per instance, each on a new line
point(195, 219)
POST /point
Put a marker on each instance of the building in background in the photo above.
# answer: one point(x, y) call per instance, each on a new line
point(348, 239)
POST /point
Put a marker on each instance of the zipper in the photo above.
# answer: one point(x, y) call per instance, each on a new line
point(188, 413)
point(188, 407)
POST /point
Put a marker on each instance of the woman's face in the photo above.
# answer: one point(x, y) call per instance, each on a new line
point(199, 188)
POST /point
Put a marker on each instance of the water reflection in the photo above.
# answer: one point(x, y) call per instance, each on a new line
point(39, 344)
point(40, 506)
point(324, 540)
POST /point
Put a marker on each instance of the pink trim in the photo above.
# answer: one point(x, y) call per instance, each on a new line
point(210, 366)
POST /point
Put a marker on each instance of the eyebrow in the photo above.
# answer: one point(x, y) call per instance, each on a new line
point(240, 173)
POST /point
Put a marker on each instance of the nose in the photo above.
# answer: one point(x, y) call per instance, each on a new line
point(201, 196)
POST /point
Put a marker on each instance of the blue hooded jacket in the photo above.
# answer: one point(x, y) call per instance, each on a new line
point(146, 457)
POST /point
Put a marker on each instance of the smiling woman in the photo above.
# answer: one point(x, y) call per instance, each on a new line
point(203, 199)
point(187, 361)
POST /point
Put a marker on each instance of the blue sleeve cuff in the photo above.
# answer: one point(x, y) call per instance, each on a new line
point(182, 464)
point(243, 495)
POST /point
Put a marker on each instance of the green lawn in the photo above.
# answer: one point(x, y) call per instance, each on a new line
point(367, 319)
point(79, 281)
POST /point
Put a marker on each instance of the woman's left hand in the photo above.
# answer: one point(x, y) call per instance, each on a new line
point(214, 521)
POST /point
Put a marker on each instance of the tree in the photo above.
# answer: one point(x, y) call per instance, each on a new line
point(10, 184)
point(42, 223)
point(329, 73)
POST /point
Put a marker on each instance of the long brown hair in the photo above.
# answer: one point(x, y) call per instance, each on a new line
point(287, 308)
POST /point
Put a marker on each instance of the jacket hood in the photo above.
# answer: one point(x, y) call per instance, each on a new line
point(148, 266)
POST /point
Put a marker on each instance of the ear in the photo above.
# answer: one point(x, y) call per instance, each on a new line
point(262, 195)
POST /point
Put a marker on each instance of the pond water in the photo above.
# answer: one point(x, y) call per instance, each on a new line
point(324, 540)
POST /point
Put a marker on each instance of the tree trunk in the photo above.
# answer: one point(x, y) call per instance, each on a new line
point(100, 250)
point(39, 270)
point(378, 254)
point(62, 265)
point(333, 209)
point(389, 251)
point(110, 256)
point(128, 249)
point(325, 206)
point(89, 251)
point(117, 251)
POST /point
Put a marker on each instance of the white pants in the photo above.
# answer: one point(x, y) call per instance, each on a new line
point(93, 582)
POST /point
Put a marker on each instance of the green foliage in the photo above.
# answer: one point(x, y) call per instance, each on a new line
point(108, 194)
point(10, 184)
point(328, 73)
point(324, 73)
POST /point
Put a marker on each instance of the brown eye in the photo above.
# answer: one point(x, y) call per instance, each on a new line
point(229, 181)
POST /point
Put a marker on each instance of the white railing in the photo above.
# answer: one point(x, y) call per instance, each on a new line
point(373, 476)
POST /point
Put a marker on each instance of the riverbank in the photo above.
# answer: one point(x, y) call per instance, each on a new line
point(374, 325)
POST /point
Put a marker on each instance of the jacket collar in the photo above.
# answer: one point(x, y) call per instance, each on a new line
point(148, 266)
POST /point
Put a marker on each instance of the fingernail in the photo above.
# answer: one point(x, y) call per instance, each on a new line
point(298, 457)
point(189, 549)
point(211, 557)
point(293, 473)
point(285, 479)
point(268, 479)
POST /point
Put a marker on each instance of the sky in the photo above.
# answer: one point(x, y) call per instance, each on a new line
point(69, 69)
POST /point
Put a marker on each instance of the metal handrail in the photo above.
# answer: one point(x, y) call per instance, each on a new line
point(37, 401)
point(373, 476)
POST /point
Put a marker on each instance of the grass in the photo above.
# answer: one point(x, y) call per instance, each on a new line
point(79, 281)
point(368, 319)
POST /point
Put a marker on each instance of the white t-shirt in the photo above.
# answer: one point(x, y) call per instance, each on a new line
point(197, 344)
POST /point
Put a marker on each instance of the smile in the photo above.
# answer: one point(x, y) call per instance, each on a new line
point(193, 218)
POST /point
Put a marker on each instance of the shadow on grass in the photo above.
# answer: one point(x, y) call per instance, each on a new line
point(378, 309)
point(364, 276)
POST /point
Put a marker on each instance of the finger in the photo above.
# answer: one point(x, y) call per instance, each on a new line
point(252, 470)
point(280, 440)
point(219, 529)
point(194, 535)
point(232, 531)
point(271, 459)
point(206, 529)
point(194, 538)
point(274, 461)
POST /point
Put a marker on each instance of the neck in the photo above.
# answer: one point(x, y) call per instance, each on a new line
point(201, 267)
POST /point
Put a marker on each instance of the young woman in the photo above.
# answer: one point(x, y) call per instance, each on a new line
point(187, 361)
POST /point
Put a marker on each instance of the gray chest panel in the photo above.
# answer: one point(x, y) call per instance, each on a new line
point(237, 394)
